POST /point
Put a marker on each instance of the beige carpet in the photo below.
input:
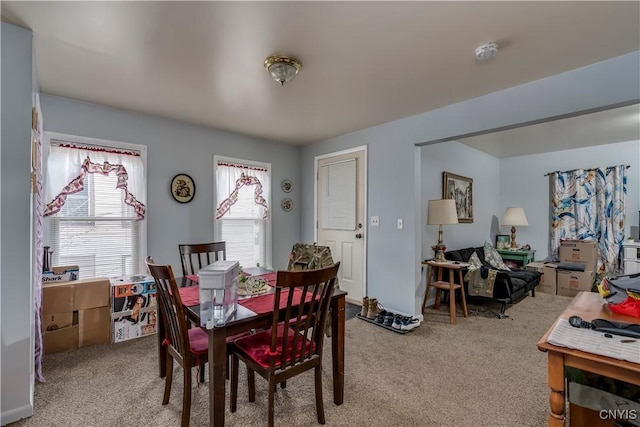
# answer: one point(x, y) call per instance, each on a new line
point(482, 372)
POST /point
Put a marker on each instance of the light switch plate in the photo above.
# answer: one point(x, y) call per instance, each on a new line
point(375, 221)
point(400, 223)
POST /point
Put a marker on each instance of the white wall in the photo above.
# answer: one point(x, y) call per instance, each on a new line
point(523, 183)
point(394, 172)
point(177, 147)
point(15, 277)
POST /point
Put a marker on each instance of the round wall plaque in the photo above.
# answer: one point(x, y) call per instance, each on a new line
point(287, 205)
point(286, 186)
point(183, 188)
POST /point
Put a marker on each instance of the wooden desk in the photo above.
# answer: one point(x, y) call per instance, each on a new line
point(434, 280)
point(522, 257)
point(589, 306)
point(245, 320)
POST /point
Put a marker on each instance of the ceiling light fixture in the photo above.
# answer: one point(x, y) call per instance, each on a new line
point(282, 68)
point(486, 51)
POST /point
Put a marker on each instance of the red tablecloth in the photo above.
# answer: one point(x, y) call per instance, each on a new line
point(264, 303)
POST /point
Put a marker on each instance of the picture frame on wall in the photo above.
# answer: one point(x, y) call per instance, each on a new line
point(460, 189)
point(503, 241)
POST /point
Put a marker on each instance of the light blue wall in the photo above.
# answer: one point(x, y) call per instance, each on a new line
point(522, 183)
point(393, 256)
point(16, 294)
point(177, 147)
point(515, 181)
point(462, 160)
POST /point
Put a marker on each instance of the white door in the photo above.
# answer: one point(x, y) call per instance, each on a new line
point(340, 215)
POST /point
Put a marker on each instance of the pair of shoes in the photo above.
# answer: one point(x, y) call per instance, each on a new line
point(388, 318)
point(365, 307)
point(405, 323)
point(381, 316)
point(374, 308)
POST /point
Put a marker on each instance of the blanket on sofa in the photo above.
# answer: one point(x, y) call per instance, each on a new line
point(480, 279)
point(479, 285)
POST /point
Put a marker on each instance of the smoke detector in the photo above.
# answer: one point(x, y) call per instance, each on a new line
point(486, 51)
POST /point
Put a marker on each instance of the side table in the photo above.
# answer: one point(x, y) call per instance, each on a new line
point(521, 256)
point(435, 280)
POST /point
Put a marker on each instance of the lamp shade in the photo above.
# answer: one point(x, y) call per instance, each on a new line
point(514, 216)
point(441, 212)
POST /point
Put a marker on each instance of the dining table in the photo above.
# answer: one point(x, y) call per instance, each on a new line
point(253, 313)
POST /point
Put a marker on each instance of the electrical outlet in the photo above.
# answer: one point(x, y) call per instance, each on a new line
point(400, 223)
point(375, 221)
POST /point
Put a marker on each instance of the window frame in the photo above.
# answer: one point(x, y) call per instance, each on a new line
point(217, 230)
point(102, 143)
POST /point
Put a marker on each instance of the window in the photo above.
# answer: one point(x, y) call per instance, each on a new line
point(96, 193)
point(242, 217)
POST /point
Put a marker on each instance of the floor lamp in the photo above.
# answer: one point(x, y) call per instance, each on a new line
point(441, 212)
point(514, 217)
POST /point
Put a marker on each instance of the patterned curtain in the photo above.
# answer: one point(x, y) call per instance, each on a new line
point(68, 165)
point(230, 178)
point(589, 204)
point(38, 203)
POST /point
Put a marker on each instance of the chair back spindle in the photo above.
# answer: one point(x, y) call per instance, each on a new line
point(195, 256)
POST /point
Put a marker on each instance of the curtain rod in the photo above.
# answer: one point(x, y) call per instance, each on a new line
point(573, 170)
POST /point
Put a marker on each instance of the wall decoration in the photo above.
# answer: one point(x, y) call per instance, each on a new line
point(287, 205)
point(183, 189)
point(287, 185)
point(503, 241)
point(460, 189)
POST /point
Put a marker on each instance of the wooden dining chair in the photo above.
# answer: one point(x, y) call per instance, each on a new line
point(188, 347)
point(195, 256)
point(293, 344)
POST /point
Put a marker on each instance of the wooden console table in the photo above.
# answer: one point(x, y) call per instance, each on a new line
point(589, 306)
point(523, 257)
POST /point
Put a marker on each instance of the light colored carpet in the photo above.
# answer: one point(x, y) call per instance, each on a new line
point(482, 372)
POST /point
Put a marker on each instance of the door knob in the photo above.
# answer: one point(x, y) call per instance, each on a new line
point(359, 236)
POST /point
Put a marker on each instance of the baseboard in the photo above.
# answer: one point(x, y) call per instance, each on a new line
point(16, 414)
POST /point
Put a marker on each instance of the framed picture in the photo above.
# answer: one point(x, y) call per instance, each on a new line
point(460, 189)
point(183, 188)
point(503, 241)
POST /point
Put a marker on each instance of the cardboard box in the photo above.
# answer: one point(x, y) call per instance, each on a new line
point(570, 283)
point(94, 326)
point(57, 298)
point(64, 339)
point(126, 327)
point(548, 282)
point(91, 293)
point(133, 307)
point(52, 322)
point(65, 273)
point(579, 251)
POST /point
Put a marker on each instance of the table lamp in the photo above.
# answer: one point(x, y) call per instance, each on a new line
point(441, 212)
point(514, 217)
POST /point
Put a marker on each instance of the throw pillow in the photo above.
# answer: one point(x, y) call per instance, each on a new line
point(493, 257)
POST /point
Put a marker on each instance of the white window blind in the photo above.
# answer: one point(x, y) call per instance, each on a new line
point(339, 208)
point(95, 229)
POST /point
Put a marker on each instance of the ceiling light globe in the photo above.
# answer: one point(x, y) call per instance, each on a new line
point(282, 68)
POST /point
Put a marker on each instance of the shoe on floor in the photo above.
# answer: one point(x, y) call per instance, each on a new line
point(405, 323)
point(365, 307)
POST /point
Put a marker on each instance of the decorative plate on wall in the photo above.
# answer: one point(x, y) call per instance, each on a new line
point(287, 205)
point(183, 189)
point(286, 186)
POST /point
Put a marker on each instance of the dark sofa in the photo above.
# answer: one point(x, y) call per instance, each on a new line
point(508, 286)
